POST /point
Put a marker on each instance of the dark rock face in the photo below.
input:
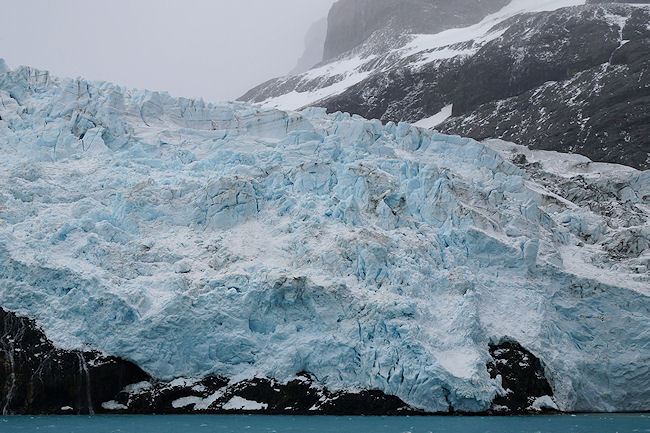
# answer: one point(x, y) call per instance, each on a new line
point(522, 377)
point(554, 81)
point(301, 396)
point(533, 51)
point(571, 80)
point(612, 126)
point(36, 377)
point(600, 112)
point(351, 22)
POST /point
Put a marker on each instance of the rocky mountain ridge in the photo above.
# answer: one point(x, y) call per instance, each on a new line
point(558, 75)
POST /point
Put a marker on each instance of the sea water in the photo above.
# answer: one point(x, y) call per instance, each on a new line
point(622, 423)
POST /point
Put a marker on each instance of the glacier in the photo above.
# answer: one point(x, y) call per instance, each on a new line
point(236, 240)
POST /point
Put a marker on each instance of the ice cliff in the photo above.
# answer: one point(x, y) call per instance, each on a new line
point(240, 241)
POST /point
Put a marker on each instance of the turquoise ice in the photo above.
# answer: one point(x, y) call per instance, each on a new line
point(230, 239)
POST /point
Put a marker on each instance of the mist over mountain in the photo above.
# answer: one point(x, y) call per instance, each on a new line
point(352, 22)
point(314, 47)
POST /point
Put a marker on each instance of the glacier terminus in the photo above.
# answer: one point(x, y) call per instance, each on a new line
point(230, 240)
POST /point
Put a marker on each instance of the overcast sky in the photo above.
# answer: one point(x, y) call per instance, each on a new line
point(215, 49)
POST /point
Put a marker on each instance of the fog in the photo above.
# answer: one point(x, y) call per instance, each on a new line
point(215, 49)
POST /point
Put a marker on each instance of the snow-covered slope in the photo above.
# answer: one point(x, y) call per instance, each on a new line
point(244, 242)
point(554, 75)
point(352, 22)
point(412, 51)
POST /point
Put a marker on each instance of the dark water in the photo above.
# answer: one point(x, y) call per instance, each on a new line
point(624, 423)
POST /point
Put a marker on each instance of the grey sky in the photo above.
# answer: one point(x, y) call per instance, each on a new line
point(215, 49)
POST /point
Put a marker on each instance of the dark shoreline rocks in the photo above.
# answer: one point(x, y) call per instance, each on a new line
point(522, 377)
point(37, 378)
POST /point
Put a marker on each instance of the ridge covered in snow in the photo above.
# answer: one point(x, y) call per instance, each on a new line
point(242, 241)
point(353, 67)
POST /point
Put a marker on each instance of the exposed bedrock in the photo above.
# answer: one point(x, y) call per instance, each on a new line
point(524, 383)
point(36, 377)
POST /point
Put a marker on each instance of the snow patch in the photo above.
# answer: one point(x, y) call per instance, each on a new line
point(186, 401)
point(198, 403)
point(436, 119)
point(113, 405)
point(238, 403)
point(346, 73)
point(544, 402)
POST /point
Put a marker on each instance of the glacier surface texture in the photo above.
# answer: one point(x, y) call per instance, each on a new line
point(241, 241)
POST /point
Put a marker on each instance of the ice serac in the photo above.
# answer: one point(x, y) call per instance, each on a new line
point(234, 241)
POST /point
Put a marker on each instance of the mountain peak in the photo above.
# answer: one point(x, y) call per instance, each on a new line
point(507, 76)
